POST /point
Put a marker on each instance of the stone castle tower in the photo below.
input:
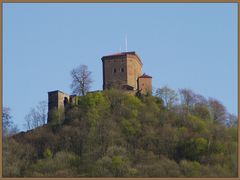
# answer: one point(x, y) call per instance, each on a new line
point(58, 100)
point(124, 70)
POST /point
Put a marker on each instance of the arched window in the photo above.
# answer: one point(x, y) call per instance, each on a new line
point(65, 101)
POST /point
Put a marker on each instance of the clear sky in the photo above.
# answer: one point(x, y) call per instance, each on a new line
point(182, 45)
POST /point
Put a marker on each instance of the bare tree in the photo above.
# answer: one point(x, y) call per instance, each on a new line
point(42, 109)
point(168, 95)
point(232, 120)
point(81, 80)
point(187, 97)
point(6, 117)
point(37, 116)
point(218, 111)
point(8, 126)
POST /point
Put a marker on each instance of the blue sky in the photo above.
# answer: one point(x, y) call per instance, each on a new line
point(182, 45)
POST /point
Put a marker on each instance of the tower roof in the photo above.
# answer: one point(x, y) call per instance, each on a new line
point(122, 54)
point(145, 76)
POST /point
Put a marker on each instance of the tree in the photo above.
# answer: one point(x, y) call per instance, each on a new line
point(190, 168)
point(232, 120)
point(217, 110)
point(168, 95)
point(37, 116)
point(187, 97)
point(7, 122)
point(115, 134)
point(81, 80)
point(114, 163)
point(8, 126)
point(202, 111)
point(63, 164)
point(16, 158)
point(42, 109)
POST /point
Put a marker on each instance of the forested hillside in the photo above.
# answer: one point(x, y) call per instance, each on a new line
point(115, 134)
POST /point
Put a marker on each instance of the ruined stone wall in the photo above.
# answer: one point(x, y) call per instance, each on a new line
point(145, 85)
point(56, 102)
point(56, 99)
point(52, 100)
point(63, 99)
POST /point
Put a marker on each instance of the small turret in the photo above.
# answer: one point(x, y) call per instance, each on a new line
point(145, 84)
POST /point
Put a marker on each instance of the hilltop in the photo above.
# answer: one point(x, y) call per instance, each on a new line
point(115, 134)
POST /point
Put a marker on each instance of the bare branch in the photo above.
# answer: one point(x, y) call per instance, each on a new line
point(81, 80)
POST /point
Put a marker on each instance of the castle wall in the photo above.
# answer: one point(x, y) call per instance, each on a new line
point(134, 70)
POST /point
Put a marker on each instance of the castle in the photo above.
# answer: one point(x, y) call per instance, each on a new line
point(121, 70)
point(124, 70)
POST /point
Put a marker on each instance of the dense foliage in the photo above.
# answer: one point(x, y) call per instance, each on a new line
point(115, 134)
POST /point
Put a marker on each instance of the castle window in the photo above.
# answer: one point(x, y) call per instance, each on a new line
point(114, 70)
point(122, 69)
